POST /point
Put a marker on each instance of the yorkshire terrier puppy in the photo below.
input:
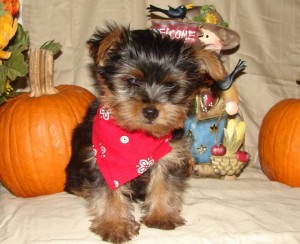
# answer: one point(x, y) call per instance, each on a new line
point(127, 147)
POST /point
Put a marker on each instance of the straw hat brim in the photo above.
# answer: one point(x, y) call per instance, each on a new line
point(229, 38)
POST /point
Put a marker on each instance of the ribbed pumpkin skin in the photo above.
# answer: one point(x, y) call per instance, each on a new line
point(279, 142)
point(35, 137)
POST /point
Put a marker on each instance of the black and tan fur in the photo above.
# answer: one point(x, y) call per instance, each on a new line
point(147, 81)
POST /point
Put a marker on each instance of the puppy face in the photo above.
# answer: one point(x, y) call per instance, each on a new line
point(147, 80)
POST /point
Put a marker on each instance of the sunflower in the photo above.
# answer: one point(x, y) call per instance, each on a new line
point(210, 18)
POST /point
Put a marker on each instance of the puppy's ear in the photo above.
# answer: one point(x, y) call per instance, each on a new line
point(104, 40)
point(210, 63)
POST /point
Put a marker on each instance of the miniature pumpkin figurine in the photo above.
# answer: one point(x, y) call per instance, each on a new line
point(207, 116)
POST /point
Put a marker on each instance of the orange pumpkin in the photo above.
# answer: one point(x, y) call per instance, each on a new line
point(35, 136)
point(279, 142)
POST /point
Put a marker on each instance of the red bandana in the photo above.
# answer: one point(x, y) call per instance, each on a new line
point(122, 156)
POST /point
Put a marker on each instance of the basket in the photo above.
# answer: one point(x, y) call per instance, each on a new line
point(228, 166)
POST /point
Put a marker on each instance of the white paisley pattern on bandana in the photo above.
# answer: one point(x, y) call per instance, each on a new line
point(144, 165)
point(103, 151)
point(104, 113)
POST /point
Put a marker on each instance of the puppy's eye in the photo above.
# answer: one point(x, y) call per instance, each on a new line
point(171, 85)
point(132, 81)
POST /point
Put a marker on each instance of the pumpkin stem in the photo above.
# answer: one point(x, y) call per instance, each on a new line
point(41, 72)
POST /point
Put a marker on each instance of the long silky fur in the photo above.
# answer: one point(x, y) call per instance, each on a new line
point(166, 76)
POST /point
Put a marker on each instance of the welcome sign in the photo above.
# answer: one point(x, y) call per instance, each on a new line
point(190, 32)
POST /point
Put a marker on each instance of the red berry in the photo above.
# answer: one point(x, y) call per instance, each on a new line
point(242, 156)
point(218, 150)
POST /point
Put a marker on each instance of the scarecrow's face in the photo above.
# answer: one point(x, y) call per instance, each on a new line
point(210, 39)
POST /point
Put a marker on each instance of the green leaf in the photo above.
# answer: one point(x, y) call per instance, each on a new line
point(3, 78)
point(18, 47)
point(16, 66)
point(2, 99)
point(20, 39)
point(199, 19)
point(205, 8)
point(52, 46)
point(2, 11)
point(224, 24)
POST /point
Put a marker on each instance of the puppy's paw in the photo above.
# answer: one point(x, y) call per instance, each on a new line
point(116, 232)
point(166, 222)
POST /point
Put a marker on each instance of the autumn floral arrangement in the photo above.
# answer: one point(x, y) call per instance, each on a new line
point(14, 42)
point(14, 46)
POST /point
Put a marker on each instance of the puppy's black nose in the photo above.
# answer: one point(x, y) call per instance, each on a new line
point(150, 113)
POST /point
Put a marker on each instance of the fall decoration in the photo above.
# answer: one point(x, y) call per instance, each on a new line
point(233, 137)
point(14, 44)
point(234, 160)
point(8, 30)
point(11, 6)
point(36, 129)
point(218, 150)
point(228, 167)
point(279, 142)
point(242, 156)
point(208, 14)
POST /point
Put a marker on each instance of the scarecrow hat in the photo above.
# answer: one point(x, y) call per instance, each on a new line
point(210, 19)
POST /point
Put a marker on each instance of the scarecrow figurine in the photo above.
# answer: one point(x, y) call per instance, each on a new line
point(214, 103)
point(203, 25)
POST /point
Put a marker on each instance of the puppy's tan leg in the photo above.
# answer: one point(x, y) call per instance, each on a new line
point(163, 201)
point(111, 210)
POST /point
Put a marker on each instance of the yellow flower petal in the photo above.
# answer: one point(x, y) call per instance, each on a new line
point(4, 54)
point(210, 18)
point(8, 28)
